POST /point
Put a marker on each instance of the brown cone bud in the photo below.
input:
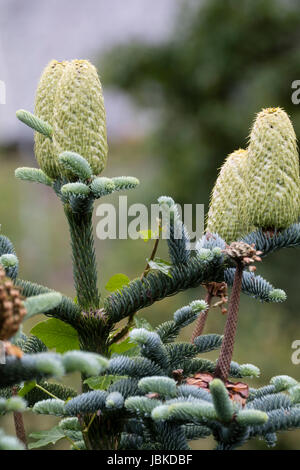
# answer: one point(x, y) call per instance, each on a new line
point(12, 310)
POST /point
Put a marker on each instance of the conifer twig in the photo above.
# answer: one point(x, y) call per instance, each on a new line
point(129, 324)
point(151, 258)
point(46, 391)
point(214, 289)
point(19, 423)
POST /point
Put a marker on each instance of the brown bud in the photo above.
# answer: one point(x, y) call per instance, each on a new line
point(12, 310)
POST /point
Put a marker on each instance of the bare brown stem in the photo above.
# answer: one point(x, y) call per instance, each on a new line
point(226, 353)
point(19, 424)
point(151, 258)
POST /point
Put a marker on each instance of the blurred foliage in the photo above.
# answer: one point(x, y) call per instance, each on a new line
point(224, 61)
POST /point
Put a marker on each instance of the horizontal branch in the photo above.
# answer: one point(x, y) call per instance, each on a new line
point(6, 247)
point(156, 286)
point(268, 242)
point(42, 365)
point(256, 286)
point(66, 311)
point(141, 293)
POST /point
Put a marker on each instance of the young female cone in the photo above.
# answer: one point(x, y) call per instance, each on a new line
point(272, 176)
point(228, 196)
point(70, 99)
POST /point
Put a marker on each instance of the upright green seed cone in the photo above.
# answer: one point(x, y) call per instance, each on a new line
point(228, 196)
point(44, 108)
point(79, 115)
point(272, 177)
point(70, 98)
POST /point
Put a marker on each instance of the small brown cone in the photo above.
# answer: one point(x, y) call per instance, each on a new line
point(243, 253)
point(12, 310)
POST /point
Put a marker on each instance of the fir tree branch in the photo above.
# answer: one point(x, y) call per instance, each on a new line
point(256, 286)
point(178, 237)
point(66, 311)
point(156, 286)
point(269, 242)
point(6, 247)
point(84, 258)
point(25, 369)
point(38, 366)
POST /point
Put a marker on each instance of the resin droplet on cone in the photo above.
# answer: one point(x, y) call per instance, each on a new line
point(272, 176)
point(228, 195)
point(70, 98)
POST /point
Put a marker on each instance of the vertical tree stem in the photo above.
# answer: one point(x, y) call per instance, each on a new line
point(101, 434)
point(226, 353)
point(84, 258)
point(19, 424)
point(201, 320)
point(19, 427)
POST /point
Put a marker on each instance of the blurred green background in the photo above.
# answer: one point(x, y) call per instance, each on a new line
point(200, 89)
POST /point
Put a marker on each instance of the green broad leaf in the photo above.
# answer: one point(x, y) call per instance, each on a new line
point(102, 382)
point(57, 334)
point(122, 348)
point(26, 388)
point(141, 322)
point(44, 438)
point(116, 282)
point(160, 265)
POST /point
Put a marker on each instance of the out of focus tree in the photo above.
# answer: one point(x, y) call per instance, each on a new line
point(224, 61)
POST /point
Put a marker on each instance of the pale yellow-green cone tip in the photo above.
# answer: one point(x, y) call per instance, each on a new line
point(44, 107)
point(272, 176)
point(228, 195)
point(70, 98)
